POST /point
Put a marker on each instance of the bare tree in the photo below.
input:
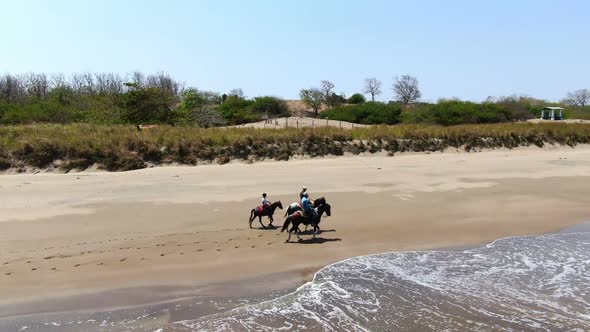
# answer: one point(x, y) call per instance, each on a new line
point(578, 98)
point(164, 82)
point(372, 87)
point(312, 98)
point(206, 116)
point(37, 86)
point(13, 88)
point(108, 84)
point(83, 83)
point(326, 88)
point(137, 78)
point(239, 93)
point(406, 89)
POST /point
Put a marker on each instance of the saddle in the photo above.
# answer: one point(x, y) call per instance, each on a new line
point(260, 209)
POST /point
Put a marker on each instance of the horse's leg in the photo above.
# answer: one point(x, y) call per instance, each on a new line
point(297, 233)
point(251, 219)
point(271, 220)
point(260, 220)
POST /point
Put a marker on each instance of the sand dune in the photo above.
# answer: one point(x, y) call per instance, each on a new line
point(300, 122)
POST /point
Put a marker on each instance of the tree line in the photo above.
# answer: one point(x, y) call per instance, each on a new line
point(110, 98)
point(406, 106)
point(136, 98)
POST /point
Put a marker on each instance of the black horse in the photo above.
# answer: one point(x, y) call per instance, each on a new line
point(268, 211)
point(297, 219)
point(297, 207)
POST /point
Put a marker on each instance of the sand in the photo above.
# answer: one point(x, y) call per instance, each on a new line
point(102, 240)
point(299, 122)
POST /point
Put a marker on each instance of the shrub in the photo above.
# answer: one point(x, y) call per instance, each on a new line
point(365, 113)
point(357, 98)
point(269, 105)
point(41, 112)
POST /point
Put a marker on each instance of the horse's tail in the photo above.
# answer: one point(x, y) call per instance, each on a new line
point(286, 224)
point(251, 215)
point(286, 212)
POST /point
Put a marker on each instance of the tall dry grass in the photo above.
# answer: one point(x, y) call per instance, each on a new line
point(117, 147)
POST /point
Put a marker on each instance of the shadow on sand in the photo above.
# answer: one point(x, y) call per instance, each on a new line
point(317, 240)
point(267, 228)
point(310, 231)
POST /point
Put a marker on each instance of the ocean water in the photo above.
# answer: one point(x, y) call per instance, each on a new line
point(531, 283)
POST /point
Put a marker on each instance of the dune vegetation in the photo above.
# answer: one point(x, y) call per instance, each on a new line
point(123, 147)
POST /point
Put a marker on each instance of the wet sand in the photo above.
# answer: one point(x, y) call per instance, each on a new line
point(97, 241)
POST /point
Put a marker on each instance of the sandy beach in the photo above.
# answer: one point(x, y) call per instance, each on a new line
point(90, 241)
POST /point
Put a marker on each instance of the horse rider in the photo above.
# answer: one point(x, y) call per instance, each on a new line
point(307, 205)
point(265, 202)
point(302, 193)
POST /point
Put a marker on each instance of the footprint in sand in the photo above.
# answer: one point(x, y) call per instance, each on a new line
point(34, 269)
point(253, 247)
point(268, 244)
point(199, 250)
point(181, 254)
point(100, 264)
point(195, 242)
point(28, 262)
point(143, 259)
point(218, 250)
point(162, 255)
point(53, 269)
point(260, 235)
point(77, 265)
point(122, 260)
point(236, 247)
point(8, 273)
point(5, 263)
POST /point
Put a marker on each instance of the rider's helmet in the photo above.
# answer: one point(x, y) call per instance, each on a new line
point(304, 188)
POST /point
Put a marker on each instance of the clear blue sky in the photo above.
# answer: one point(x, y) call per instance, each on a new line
point(466, 49)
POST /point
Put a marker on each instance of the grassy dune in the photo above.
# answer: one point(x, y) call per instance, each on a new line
point(120, 148)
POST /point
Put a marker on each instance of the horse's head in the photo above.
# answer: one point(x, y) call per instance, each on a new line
point(319, 202)
point(328, 209)
point(280, 205)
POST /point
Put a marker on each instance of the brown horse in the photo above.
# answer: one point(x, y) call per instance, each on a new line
point(268, 211)
point(297, 219)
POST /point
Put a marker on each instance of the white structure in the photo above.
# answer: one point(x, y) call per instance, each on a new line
point(549, 113)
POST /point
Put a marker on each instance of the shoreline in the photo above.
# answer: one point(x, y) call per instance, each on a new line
point(223, 296)
point(118, 234)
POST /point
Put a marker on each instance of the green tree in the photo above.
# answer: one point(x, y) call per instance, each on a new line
point(313, 98)
point(236, 110)
point(270, 106)
point(356, 98)
point(146, 105)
